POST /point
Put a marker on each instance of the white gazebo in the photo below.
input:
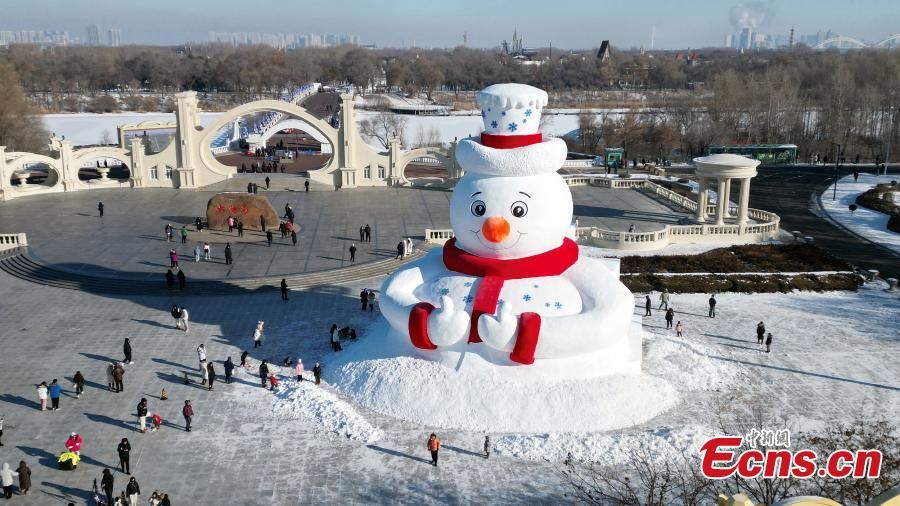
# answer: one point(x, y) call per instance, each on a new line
point(723, 168)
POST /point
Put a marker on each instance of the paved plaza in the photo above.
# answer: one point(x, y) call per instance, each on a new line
point(64, 230)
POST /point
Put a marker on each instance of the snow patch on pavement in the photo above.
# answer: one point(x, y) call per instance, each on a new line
point(322, 409)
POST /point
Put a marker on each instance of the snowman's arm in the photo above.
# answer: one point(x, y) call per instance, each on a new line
point(605, 317)
point(399, 289)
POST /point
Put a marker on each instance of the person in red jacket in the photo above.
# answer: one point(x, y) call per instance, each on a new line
point(73, 444)
point(188, 412)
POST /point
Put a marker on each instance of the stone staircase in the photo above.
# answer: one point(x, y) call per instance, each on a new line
point(18, 264)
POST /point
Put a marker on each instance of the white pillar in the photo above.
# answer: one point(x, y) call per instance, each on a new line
point(720, 202)
point(727, 198)
point(744, 201)
point(701, 200)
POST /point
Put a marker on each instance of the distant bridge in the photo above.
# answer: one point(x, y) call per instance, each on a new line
point(842, 42)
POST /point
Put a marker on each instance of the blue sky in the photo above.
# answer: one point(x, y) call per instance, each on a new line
point(564, 23)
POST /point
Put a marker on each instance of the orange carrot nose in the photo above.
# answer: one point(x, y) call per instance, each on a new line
point(495, 229)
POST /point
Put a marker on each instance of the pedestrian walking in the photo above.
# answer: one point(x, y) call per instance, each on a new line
point(284, 289)
point(42, 391)
point(299, 370)
point(184, 234)
point(263, 372)
point(228, 254)
point(664, 299)
point(262, 223)
point(173, 258)
point(55, 392)
point(24, 477)
point(400, 249)
point(712, 306)
point(647, 306)
point(679, 328)
point(124, 451)
point(335, 338)
point(188, 413)
point(133, 491)
point(107, 483)
point(168, 232)
point(267, 182)
point(211, 374)
point(352, 252)
point(184, 319)
point(434, 446)
point(142, 414)
point(364, 298)
point(769, 342)
point(306, 185)
point(126, 348)
point(487, 447)
point(229, 368)
point(670, 317)
point(317, 373)
point(294, 237)
point(258, 334)
point(371, 301)
point(230, 223)
point(269, 238)
point(100, 208)
point(273, 382)
point(760, 332)
point(110, 376)
point(6, 477)
point(1, 431)
point(197, 253)
point(362, 233)
point(368, 230)
point(78, 381)
point(176, 315)
point(182, 280)
point(240, 228)
point(118, 376)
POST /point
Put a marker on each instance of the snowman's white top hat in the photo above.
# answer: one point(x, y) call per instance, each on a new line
point(511, 144)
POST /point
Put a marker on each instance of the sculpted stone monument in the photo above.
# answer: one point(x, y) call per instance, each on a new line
point(243, 206)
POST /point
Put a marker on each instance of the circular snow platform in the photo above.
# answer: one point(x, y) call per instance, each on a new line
point(462, 389)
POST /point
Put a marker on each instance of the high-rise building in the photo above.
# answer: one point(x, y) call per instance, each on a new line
point(729, 40)
point(745, 40)
point(93, 35)
point(115, 37)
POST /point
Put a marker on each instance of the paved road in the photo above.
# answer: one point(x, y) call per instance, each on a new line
point(789, 192)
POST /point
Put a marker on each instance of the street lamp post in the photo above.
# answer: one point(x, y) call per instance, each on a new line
point(837, 153)
point(887, 156)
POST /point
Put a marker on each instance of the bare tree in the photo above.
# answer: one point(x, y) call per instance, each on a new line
point(383, 127)
point(590, 130)
point(105, 137)
point(20, 128)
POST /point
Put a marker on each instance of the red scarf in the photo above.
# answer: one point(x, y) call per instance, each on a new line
point(493, 273)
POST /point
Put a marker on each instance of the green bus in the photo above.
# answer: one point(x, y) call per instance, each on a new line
point(768, 154)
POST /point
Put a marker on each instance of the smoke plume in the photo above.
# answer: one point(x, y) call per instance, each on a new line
point(750, 15)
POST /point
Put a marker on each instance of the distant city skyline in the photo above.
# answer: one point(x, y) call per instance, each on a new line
point(566, 24)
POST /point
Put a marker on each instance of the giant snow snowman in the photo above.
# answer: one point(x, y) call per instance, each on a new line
point(510, 293)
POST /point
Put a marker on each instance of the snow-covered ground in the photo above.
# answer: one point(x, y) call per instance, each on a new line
point(867, 223)
point(89, 128)
point(826, 364)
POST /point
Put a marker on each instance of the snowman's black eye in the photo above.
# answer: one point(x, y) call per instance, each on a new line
point(478, 208)
point(519, 209)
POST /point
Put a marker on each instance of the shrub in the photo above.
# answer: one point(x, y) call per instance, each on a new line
point(747, 258)
point(103, 103)
point(741, 283)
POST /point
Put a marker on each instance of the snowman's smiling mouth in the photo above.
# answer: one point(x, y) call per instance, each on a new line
point(494, 248)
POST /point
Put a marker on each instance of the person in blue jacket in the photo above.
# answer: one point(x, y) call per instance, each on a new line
point(55, 392)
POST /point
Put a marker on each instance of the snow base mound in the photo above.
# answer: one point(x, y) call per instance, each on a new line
point(323, 409)
point(481, 399)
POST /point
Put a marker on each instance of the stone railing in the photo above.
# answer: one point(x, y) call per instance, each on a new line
point(765, 227)
point(12, 241)
point(438, 236)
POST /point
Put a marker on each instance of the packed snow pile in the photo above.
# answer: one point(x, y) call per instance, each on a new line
point(378, 373)
point(322, 409)
point(660, 445)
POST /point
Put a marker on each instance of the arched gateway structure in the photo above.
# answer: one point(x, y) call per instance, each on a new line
point(188, 161)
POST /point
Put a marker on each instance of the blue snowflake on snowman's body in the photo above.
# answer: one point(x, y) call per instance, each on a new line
point(512, 127)
point(524, 120)
point(503, 113)
point(445, 291)
point(468, 298)
point(527, 112)
point(493, 124)
point(557, 305)
point(546, 304)
point(483, 114)
point(526, 298)
point(467, 283)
